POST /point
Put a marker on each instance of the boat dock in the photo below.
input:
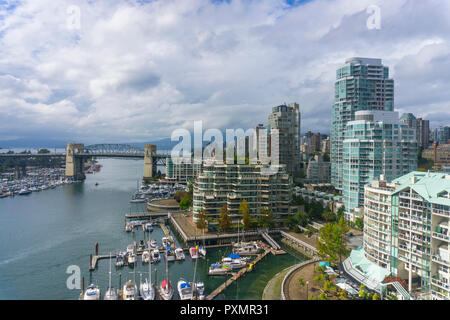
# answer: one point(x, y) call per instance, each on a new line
point(166, 232)
point(236, 276)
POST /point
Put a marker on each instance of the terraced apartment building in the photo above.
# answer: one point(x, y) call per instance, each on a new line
point(230, 184)
point(406, 231)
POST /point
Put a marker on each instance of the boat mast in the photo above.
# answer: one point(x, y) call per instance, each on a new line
point(109, 283)
point(194, 284)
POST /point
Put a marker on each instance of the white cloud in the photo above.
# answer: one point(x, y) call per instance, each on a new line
point(138, 71)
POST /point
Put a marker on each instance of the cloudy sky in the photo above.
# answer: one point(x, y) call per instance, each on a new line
point(134, 70)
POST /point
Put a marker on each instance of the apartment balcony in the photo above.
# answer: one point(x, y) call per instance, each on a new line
point(437, 258)
point(443, 213)
point(441, 236)
point(441, 283)
point(440, 295)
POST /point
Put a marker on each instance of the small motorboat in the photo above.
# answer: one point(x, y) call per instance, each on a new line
point(148, 227)
point(170, 255)
point(217, 269)
point(131, 257)
point(141, 245)
point(199, 290)
point(129, 291)
point(184, 290)
point(165, 242)
point(156, 257)
point(24, 191)
point(202, 251)
point(179, 254)
point(120, 259)
point(193, 251)
point(145, 257)
point(92, 293)
point(153, 243)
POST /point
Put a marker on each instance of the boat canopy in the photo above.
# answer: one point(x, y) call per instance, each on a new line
point(164, 283)
point(234, 256)
point(185, 285)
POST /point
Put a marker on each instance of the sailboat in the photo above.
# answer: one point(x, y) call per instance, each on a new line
point(92, 293)
point(110, 294)
point(166, 288)
point(147, 290)
point(130, 291)
point(198, 287)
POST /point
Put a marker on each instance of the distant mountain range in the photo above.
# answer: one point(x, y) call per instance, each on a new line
point(164, 144)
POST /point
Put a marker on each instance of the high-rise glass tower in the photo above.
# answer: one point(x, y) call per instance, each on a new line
point(376, 143)
point(361, 84)
point(286, 118)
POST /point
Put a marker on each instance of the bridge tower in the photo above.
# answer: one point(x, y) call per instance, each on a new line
point(149, 168)
point(74, 164)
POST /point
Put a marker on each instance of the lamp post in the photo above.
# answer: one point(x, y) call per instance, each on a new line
point(307, 283)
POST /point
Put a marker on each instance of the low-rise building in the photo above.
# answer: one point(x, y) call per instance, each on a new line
point(440, 154)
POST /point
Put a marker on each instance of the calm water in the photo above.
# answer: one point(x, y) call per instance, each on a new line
point(45, 232)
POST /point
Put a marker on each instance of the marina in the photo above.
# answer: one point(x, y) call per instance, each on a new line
point(78, 216)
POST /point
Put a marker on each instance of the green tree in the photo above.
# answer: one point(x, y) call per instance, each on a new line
point(185, 203)
point(332, 241)
point(266, 220)
point(301, 282)
point(359, 223)
point(201, 219)
point(43, 151)
point(224, 219)
point(243, 210)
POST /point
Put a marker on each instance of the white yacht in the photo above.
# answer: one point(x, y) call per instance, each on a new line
point(131, 257)
point(92, 293)
point(179, 254)
point(153, 243)
point(246, 247)
point(149, 227)
point(156, 257)
point(234, 262)
point(199, 289)
point(202, 251)
point(184, 290)
point(110, 294)
point(147, 290)
point(145, 257)
point(129, 291)
point(24, 191)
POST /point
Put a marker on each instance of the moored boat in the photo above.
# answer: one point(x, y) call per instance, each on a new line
point(184, 290)
point(92, 293)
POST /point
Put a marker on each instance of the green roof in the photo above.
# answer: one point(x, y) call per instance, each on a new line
point(429, 185)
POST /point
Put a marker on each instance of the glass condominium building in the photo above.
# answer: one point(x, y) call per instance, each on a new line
point(375, 143)
point(406, 230)
point(361, 84)
point(286, 118)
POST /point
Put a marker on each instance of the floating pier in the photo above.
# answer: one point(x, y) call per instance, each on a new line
point(236, 276)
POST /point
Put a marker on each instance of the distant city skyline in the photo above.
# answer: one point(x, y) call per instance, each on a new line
point(134, 71)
